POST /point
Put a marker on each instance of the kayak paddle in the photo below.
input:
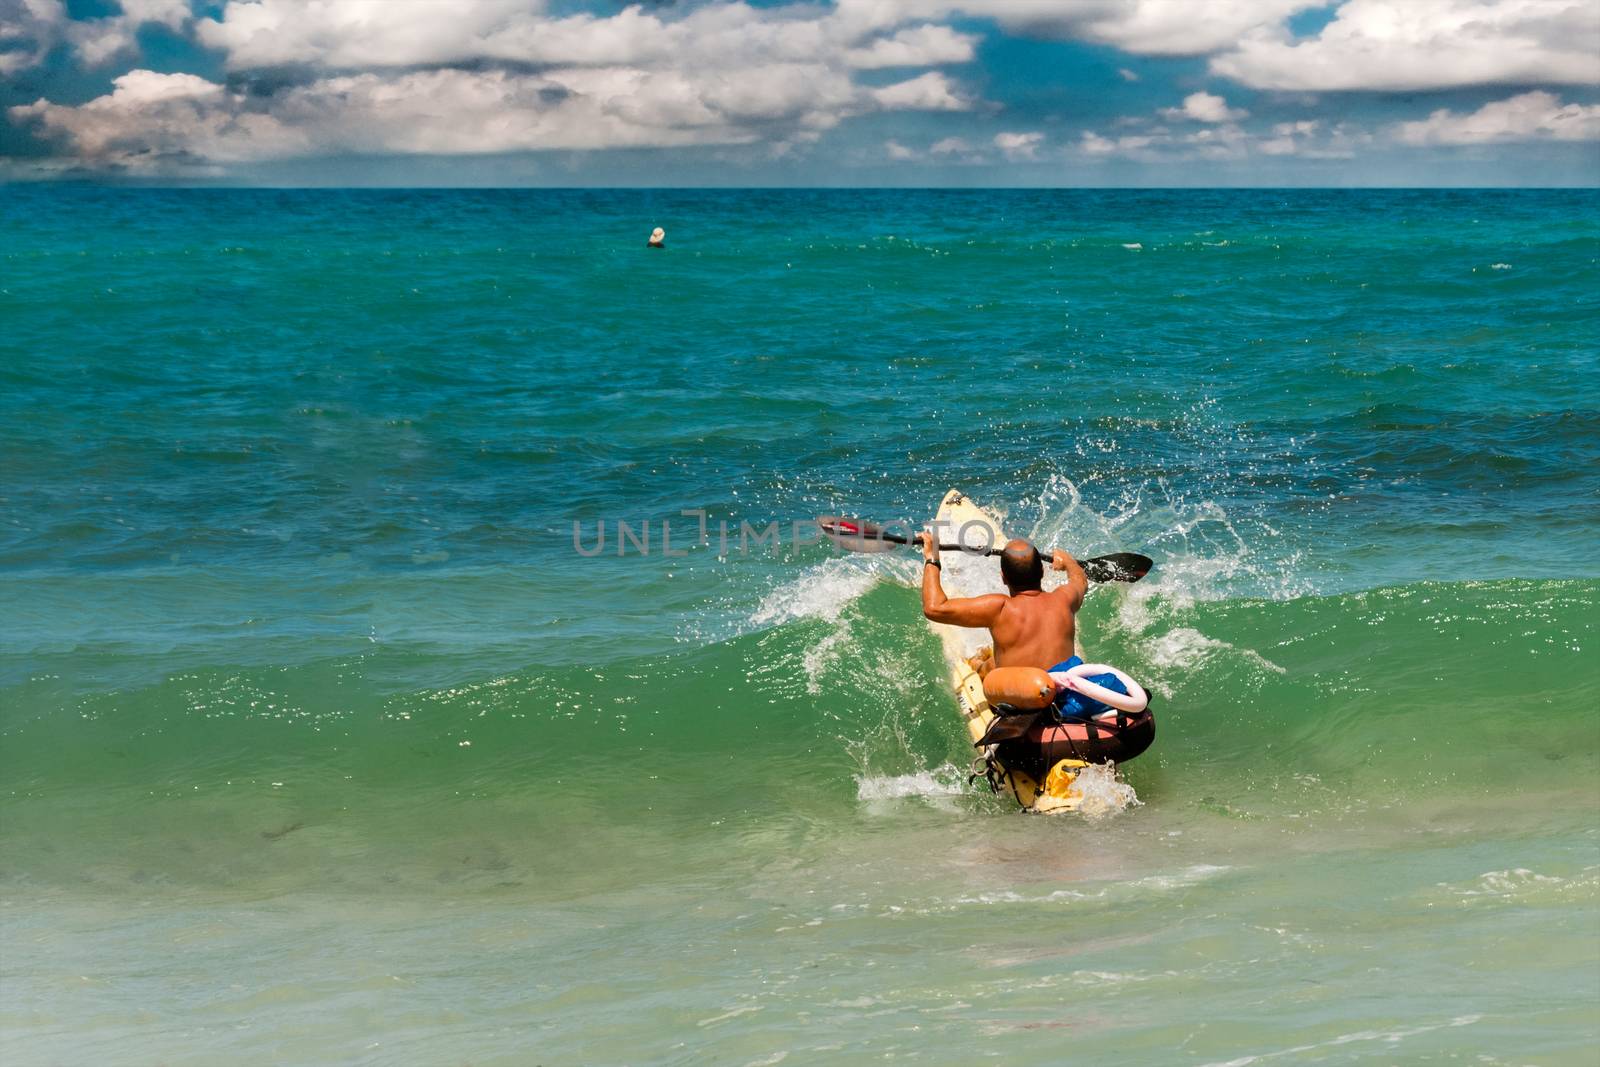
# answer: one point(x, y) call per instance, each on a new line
point(854, 535)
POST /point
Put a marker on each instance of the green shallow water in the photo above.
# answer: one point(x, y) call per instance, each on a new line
point(320, 743)
point(749, 863)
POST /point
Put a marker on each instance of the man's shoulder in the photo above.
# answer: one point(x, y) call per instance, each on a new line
point(1065, 594)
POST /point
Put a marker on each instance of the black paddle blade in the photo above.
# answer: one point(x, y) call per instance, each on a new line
point(857, 535)
point(1118, 567)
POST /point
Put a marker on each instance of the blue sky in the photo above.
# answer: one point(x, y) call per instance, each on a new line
point(854, 92)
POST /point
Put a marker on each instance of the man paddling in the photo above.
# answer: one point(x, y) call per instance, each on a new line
point(1030, 628)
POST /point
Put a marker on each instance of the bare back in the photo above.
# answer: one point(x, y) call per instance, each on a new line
point(1035, 629)
point(1030, 628)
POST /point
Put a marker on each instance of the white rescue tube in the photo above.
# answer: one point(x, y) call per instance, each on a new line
point(1077, 678)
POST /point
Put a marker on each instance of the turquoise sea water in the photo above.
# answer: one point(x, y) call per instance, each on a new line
point(320, 742)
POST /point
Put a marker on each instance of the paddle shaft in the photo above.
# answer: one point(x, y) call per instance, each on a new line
point(1099, 568)
point(858, 536)
point(901, 539)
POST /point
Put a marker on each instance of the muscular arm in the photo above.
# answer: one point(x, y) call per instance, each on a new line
point(1077, 582)
point(963, 611)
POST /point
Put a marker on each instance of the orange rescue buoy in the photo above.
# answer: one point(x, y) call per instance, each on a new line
point(1021, 687)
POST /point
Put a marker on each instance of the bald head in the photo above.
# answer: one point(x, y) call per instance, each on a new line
point(1020, 567)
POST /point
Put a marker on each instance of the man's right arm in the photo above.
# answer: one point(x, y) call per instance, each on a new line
point(962, 611)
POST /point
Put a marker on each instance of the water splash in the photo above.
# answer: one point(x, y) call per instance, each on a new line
point(945, 780)
point(1104, 794)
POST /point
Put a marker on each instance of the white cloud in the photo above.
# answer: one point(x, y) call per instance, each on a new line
point(504, 76)
point(153, 120)
point(179, 118)
point(365, 34)
point(361, 34)
point(1096, 144)
point(1204, 107)
point(1127, 75)
point(1426, 44)
point(31, 28)
point(1163, 27)
point(1288, 138)
point(323, 77)
point(1132, 144)
point(917, 46)
point(1144, 27)
point(1306, 138)
point(1224, 141)
point(28, 30)
point(1219, 135)
point(100, 40)
point(1534, 116)
point(1019, 146)
point(926, 92)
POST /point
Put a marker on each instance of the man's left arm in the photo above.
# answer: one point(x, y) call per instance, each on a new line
point(1077, 582)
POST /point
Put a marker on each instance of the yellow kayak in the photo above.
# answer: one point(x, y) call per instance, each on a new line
point(967, 575)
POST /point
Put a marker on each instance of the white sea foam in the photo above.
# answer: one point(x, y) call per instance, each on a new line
point(945, 781)
point(1186, 647)
point(1104, 794)
point(1388, 1037)
point(1192, 875)
point(821, 591)
point(820, 656)
point(1516, 882)
point(1202, 554)
point(1160, 883)
point(825, 591)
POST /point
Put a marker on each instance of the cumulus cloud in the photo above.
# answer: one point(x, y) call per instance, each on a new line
point(927, 92)
point(365, 34)
point(30, 29)
point(1531, 116)
point(1144, 27)
point(100, 40)
point(1305, 138)
point(1212, 142)
point(1289, 138)
point(179, 118)
point(1220, 136)
point(1204, 107)
point(1019, 146)
point(1426, 44)
point(945, 151)
point(328, 77)
point(917, 46)
point(151, 119)
point(1132, 144)
point(370, 76)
